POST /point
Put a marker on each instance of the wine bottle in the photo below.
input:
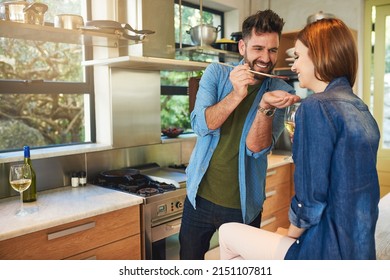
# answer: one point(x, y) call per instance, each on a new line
point(30, 194)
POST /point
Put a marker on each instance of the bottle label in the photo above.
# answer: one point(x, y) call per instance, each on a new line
point(75, 182)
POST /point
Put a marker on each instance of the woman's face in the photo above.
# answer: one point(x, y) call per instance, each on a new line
point(304, 67)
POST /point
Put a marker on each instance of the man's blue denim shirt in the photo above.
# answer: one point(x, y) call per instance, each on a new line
point(213, 87)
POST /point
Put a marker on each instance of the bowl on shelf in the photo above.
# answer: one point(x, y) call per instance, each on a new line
point(172, 132)
point(290, 52)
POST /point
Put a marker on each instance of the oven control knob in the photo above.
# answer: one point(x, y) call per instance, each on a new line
point(179, 204)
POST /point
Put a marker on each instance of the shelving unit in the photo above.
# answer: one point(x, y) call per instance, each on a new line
point(208, 50)
point(148, 63)
point(49, 33)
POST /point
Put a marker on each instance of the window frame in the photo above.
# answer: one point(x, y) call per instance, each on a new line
point(183, 90)
point(60, 87)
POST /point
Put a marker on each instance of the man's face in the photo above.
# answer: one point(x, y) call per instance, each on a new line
point(260, 51)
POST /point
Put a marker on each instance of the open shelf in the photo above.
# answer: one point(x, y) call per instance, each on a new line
point(48, 33)
point(208, 50)
point(148, 63)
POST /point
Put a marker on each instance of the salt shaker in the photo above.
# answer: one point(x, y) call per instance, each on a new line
point(74, 180)
point(83, 178)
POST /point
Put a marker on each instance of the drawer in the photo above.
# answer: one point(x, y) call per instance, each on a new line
point(125, 249)
point(73, 238)
point(277, 219)
point(277, 197)
point(278, 175)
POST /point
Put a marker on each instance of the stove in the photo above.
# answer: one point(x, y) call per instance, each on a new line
point(163, 191)
point(137, 184)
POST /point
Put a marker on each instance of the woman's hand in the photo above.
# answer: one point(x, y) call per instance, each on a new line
point(278, 99)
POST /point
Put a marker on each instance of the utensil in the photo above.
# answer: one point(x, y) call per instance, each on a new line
point(35, 13)
point(142, 31)
point(22, 11)
point(290, 52)
point(203, 34)
point(20, 177)
point(259, 73)
point(226, 45)
point(68, 21)
point(111, 24)
point(318, 16)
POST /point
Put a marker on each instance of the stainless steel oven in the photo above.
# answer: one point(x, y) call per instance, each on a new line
point(163, 191)
point(162, 215)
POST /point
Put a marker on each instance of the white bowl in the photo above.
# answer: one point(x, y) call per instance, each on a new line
point(290, 52)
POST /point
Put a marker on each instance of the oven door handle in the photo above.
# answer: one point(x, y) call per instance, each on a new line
point(171, 226)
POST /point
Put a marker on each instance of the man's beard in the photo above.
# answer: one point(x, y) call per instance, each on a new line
point(252, 63)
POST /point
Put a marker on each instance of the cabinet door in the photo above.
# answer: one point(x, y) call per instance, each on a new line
point(73, 238)
point(278, 191)
point(125, 249)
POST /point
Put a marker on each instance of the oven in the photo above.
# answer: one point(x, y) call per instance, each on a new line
point(163, 191)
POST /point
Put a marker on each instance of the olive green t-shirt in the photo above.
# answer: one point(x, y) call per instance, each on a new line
point(220, 182)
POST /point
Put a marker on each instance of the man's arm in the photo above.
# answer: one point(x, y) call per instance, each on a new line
point(260, 133)
point(240, 78)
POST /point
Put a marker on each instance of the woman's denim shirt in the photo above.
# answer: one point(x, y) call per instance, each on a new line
point(336, 184)
point(213, 87)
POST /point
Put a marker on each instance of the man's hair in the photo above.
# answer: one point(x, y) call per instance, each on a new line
point(266, 21)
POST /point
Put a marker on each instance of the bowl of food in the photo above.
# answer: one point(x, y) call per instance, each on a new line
point(172, 132)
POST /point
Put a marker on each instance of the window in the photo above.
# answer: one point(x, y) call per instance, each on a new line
point(174, 91)
point(46, 96)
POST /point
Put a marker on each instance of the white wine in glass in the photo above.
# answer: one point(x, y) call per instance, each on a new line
point(289, 120)
point(20, 180)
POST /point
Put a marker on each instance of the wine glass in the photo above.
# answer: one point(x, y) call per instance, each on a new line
point(20, 180)
point(289, 120)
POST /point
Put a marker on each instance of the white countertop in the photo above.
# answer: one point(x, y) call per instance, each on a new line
point(276, 160)
point(59, 206)
point(66, 204)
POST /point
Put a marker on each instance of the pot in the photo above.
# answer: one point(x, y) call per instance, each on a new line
point(24, 12)
point(318, 16)
point(226, 45)
point(203, 34)
point(236, 36)
point(68, 21)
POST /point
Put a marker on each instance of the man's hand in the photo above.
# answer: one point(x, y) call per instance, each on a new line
point(240, 78)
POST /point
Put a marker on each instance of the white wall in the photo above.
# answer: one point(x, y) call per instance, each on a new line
point(295, 12)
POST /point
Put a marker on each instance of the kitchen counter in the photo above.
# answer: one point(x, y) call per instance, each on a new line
point(63, 205)
point(59, 206)
point(276, 160)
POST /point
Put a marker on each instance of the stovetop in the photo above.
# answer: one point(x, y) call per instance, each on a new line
point(146, 180)
point(139, 184)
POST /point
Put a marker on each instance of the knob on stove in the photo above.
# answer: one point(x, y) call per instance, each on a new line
point(179, 204)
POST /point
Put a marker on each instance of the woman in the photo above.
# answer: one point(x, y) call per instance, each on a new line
point(335, 208)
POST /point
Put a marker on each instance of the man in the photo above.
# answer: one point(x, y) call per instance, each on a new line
point(237, 123)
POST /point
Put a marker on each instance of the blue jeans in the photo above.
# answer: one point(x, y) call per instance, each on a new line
point(198, 226)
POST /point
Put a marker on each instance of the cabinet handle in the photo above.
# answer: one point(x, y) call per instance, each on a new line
point(268, 221)
point(271, 172)
point(173, 226)
point(270, 193)
point(70, 231)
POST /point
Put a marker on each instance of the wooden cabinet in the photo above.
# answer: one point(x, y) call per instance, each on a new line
point(278, 191)
point(110, 236)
